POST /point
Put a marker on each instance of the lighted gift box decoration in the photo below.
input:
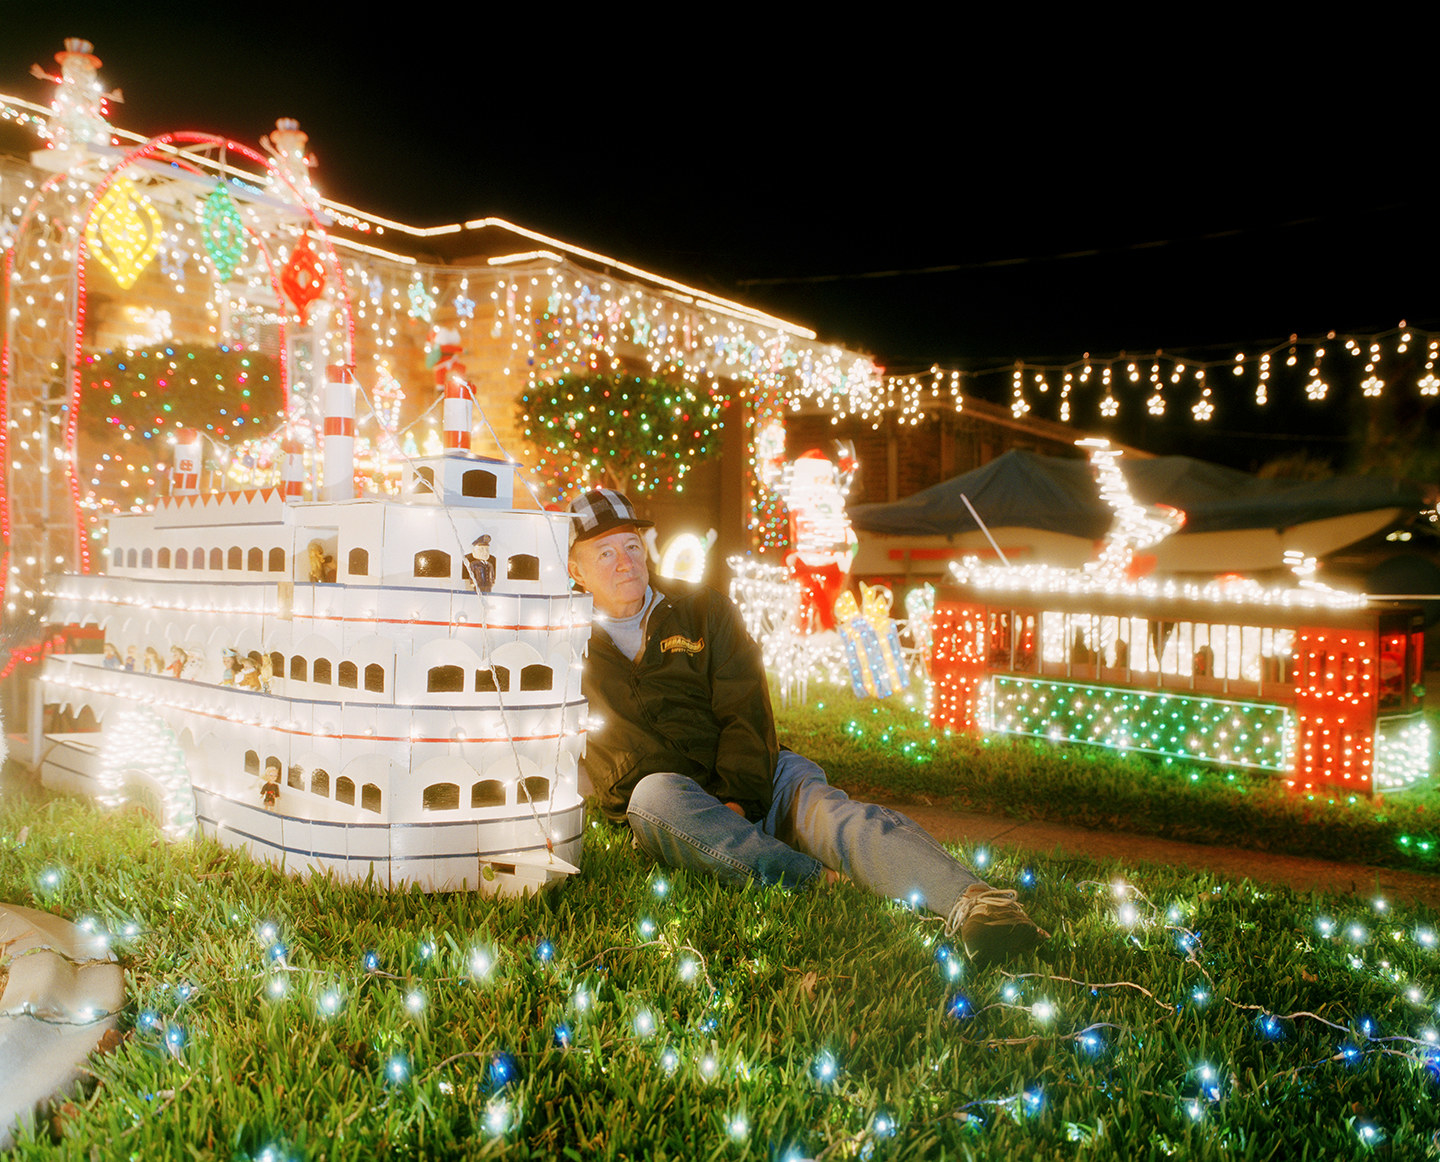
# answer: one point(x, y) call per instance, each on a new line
point(1305, 681)
point(387, 689)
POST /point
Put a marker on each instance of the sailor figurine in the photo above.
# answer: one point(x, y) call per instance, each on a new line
point(481, 564)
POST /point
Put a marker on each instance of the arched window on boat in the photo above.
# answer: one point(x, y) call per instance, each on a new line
point(359, 563)
point(478, 482)
point(147, 559)
point(432, 563)
point(255, 560)
point(424, 480)
point(277, 560)
point(298, 668)
point(445, 680)
point(370, 798)
point(375, 678)
point(533, 789)
point(348, 675)
point(131, 558)
point(277, 664)
point(441, 797)
point(523, 567)
point(488, 793)
point(252, 762)
point(296, 777)
point(162, 559)
point(236, 558)
point(345, 790)
point(492, 680)
point(182, 559)
point(320, 671)
point(320, 782)
point(536, 677)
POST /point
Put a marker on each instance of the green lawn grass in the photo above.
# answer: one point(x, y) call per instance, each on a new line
point(888, 748)
point(638, 1013)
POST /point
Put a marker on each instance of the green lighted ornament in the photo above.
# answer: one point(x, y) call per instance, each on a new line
point(224, 231)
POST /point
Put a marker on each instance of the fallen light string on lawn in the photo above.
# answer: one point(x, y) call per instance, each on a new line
point(1200, 1091)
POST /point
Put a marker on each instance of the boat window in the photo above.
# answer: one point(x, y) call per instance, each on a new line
point(147, 559)
point(277, 560)
point(130, 559)
point(432, 563)
point(255, 560)
point(345, 790)
point(370, 797)
point(277, 664)
point(320, 783)
point(162, 559)
point(534, 789)
point(359, 564)
point(252, 762)
point(375, 678)
point(217, 559)
point(296, 777)
point(182, 559)
point(424, 480)
point(320, 672)
point(495, 679)
point(441, 797)
point(523, 567)
point(445, 680)
point(490, 793)
point(348, 675)
point(536, 677)
point(297, 668)
point(236, 558)
point(477, 482)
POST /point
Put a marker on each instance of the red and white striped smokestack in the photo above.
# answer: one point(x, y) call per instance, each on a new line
point(456, 419)
point(292, 472)
point(339, 479)
point(185, 475)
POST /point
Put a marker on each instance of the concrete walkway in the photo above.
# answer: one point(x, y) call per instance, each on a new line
point(1298, 872)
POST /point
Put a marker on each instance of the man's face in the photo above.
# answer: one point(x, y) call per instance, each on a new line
point(613, 571)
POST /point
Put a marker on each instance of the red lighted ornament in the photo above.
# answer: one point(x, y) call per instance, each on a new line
point(303, 279)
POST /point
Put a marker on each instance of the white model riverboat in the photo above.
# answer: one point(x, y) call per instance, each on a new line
point(346, 694)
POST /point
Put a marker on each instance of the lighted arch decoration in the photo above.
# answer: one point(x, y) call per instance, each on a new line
point(139, 746)
point(40, 494)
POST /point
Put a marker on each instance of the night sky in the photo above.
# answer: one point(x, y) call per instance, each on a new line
point(1111, 195)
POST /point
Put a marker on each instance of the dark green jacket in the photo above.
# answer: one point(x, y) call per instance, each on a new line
point(696, 703)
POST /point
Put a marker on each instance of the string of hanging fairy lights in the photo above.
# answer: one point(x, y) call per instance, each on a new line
point(1092, 390)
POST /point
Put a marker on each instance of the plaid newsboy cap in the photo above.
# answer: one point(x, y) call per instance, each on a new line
point(601, 511)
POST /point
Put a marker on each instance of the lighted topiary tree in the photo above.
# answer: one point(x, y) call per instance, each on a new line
point(636, 435)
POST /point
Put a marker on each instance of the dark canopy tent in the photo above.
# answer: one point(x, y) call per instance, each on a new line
point(1027, 490)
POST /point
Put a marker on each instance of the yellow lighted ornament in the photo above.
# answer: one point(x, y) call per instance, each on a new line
point(124, 231)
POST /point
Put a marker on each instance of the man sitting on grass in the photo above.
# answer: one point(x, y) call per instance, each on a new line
point(685, 751)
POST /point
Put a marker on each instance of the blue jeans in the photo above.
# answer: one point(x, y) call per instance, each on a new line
point(811, 825)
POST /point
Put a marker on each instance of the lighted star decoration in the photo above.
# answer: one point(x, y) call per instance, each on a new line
point(1203, 408)
point(1429, 385)
point(1372, 385)
point(587, 306)
point(1155, 405)
point(422, 302)
point(124, 231)
point(614, 313)
point(464, 304)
